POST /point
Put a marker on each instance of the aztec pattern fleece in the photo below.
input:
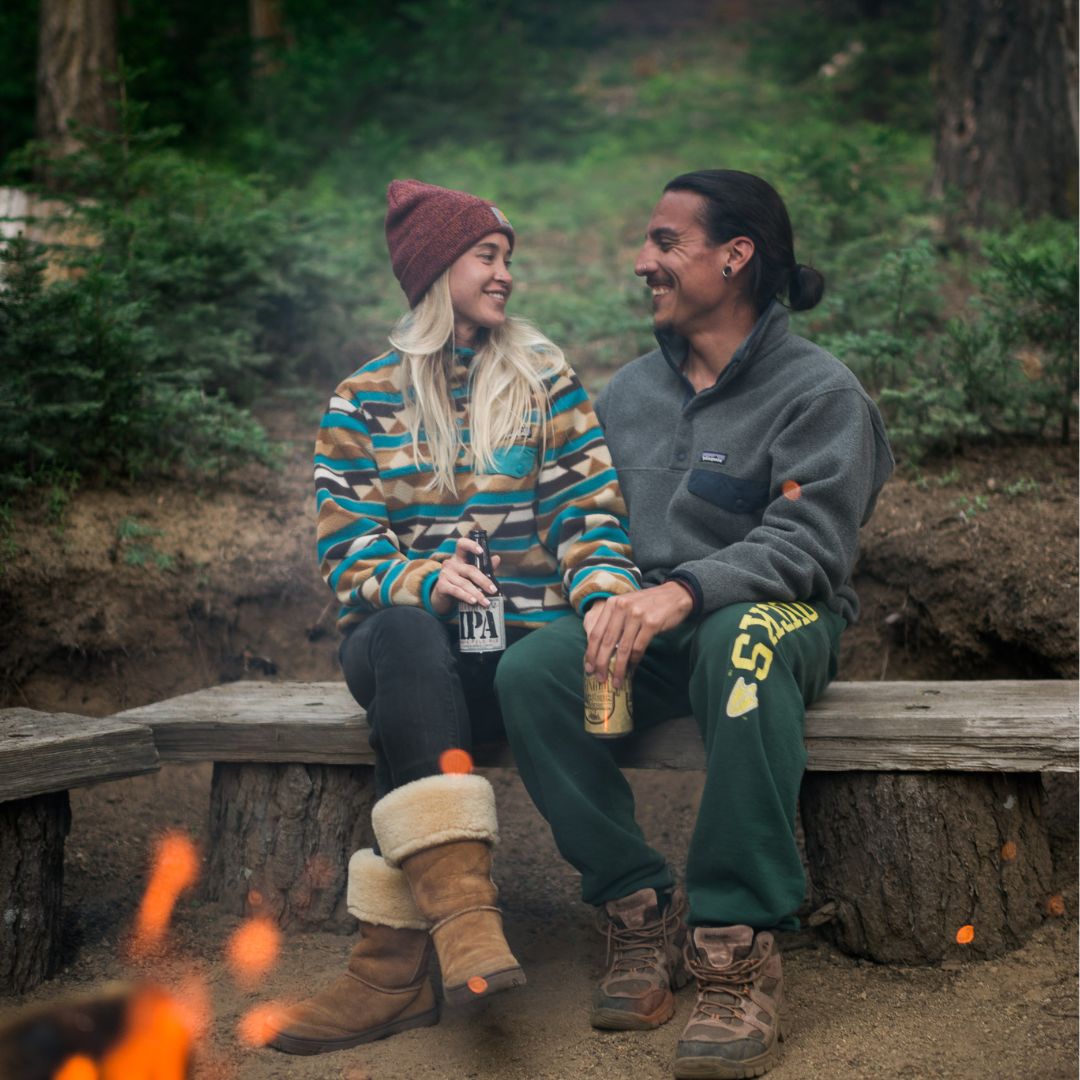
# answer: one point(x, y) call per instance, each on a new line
point(552, 507)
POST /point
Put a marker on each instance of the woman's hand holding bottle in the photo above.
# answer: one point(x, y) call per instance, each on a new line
point(459, 580)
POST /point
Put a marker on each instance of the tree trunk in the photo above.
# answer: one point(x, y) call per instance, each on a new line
point(76, 54)
point(281, 837)
point(267, 27)
point(1007, 114)
point(32, 833)
point(909, 859)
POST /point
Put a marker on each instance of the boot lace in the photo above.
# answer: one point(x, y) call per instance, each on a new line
point(636, 948)
point(724, 993)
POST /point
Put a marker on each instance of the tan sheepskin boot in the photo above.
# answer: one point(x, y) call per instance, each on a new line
point(440, 831)
point(385, 988)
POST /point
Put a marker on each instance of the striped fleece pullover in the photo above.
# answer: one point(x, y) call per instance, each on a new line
point(558, 524)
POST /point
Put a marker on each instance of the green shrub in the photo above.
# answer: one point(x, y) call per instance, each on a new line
point(1009, 369)
point(84, 390)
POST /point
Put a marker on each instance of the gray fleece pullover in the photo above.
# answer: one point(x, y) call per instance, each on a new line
point(755, 488)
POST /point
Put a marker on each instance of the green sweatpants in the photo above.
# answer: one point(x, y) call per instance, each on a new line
point(747, 673)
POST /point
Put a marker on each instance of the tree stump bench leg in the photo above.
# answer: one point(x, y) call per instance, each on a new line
point(32, 833)
point(910, 858)
point(281, 837)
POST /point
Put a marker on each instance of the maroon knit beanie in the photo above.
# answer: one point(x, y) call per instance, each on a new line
point(429, 227)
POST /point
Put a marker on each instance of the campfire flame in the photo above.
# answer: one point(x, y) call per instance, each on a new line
point(175, 868)
point(253, 950)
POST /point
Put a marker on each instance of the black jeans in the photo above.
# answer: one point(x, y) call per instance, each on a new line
point(421, 695)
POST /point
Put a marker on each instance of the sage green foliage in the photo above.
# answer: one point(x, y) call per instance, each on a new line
point(1006, 369)
point(136, 542)
point(862, 65)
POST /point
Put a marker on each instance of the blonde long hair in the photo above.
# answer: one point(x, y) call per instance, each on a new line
point(506, 380)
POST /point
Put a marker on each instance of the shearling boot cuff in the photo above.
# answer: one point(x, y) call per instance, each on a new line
point(379, 893)
point(432, 811)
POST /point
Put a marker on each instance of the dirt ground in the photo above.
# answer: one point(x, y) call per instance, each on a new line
point(969, 570)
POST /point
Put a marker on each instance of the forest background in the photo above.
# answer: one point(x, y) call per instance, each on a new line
point(219, 175)
point(191, 206)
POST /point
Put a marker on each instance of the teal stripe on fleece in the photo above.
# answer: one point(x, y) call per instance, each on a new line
point(584, 571)
point(553, 453)
point(389, 578)
point(606, 533)
point(341, 465)
point(389, 359)
point(577, 491)
point(539, 579)
point(381, 396)
point(381, 546)
point(350, 532)
point(511, 500)
point(571, 399)
point(340, 420)
point(353, 505)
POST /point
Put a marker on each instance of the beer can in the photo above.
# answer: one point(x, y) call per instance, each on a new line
point(609, 713)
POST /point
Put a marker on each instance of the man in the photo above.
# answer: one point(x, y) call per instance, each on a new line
point(749, 458)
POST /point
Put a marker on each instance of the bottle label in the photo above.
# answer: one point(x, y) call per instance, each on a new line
point(482, 629)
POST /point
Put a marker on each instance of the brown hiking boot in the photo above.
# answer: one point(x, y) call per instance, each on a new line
point(644, 957)
point(734, 1029)
point(385, 990)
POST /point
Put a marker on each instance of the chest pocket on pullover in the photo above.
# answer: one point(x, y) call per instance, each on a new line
point(516, 460)
point(728, 492)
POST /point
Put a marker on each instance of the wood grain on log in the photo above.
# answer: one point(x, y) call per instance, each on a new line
point(42, 752)
point(909, 859)
point(995, 726)
point(281, 839)
point(32, 835)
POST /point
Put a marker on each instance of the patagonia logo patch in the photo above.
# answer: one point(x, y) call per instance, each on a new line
point(500, 217)
point(714, 456)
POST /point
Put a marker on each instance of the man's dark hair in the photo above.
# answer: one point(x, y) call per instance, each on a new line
point(741, 204)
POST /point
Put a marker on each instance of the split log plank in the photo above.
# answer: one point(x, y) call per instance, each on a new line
point(42, 752)
point(985, 726)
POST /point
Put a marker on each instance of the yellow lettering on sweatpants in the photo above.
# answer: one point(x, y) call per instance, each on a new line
point(759, 654)
point(756, 617)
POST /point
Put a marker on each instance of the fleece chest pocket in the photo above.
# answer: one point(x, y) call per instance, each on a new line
point(516, 460)
point(728, 492)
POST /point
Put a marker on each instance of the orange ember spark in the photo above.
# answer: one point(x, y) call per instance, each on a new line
point(965, 935)
point(456, 761)
point(254, 898)
point(1056, 905)
point(253, 950)
point(176, 866)
point(156, 1044)
point(77, 1068)
point(259, 1025)
point(477, 984)
point(1008, 851)
point(791, 490)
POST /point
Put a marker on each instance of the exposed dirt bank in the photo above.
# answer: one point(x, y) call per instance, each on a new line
point(968, 571)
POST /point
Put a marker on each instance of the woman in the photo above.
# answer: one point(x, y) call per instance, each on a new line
point(472, 419)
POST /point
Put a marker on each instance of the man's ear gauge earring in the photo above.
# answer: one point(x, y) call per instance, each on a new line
point(726, 271)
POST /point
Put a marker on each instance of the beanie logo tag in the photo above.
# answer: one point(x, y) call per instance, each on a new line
point(500, 217)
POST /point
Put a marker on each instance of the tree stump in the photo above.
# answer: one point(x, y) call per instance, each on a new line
point(281, 837)
point(32, 833)
point(911, 858)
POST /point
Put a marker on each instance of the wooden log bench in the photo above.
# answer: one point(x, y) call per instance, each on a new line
point(921, 805)
point(42, 755)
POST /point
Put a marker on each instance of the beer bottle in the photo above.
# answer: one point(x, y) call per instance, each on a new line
point(482, 629)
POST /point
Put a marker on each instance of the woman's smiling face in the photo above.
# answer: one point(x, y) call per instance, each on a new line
point(480, 286)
